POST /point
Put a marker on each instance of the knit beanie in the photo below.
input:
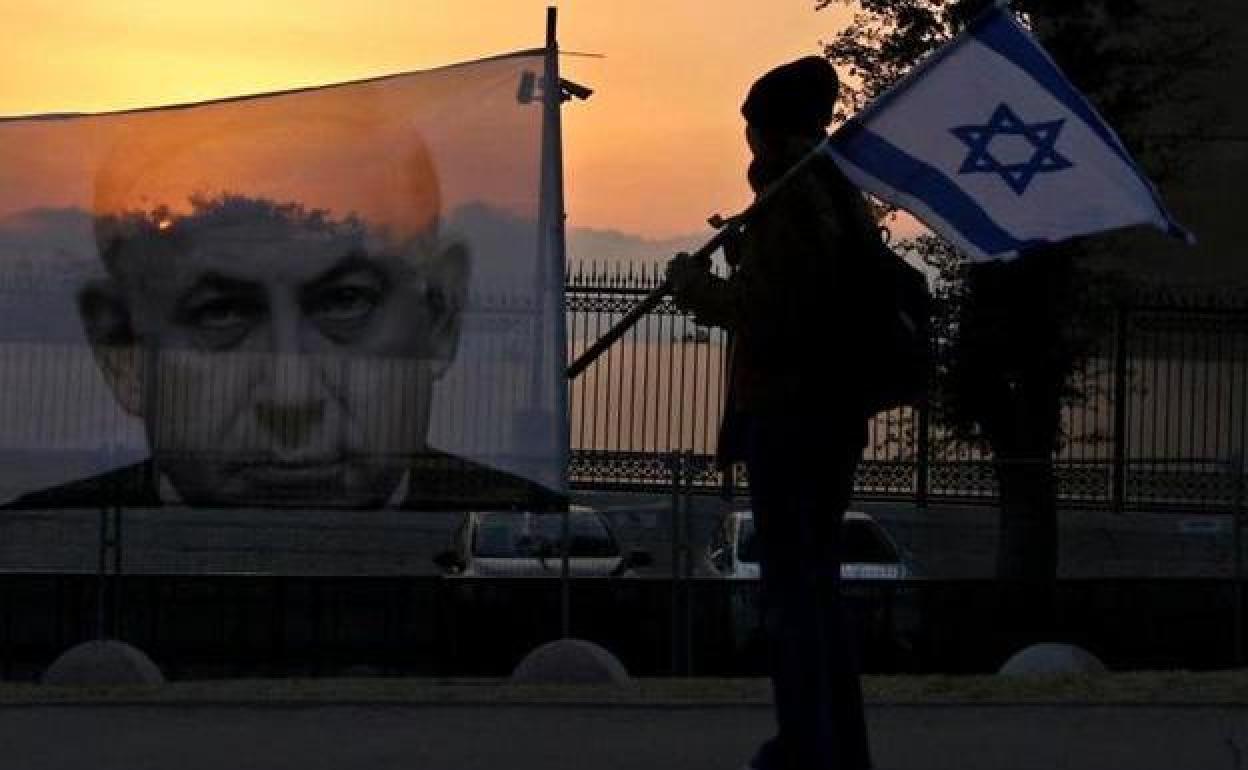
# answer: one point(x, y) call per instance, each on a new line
point(794, 98)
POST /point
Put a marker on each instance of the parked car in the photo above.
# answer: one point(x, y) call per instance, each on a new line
point(868, 551)
point(525, 544)
point(882, 606)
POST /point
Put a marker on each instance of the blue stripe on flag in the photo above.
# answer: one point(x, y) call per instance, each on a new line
point(911, 176)
point(1002, 35)
point(999, 32)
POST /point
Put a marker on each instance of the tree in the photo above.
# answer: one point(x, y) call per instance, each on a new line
point(1014, 332)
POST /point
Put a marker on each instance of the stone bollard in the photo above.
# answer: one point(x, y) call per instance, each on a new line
point(102, 662)
point(571, 661)
point(1050, 659)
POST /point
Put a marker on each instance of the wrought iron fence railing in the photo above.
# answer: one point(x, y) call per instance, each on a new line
point(1158, 420)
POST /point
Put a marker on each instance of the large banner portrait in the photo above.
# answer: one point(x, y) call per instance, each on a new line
point(337, 297)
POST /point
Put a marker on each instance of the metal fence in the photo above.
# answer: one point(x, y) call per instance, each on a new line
point(1158, 421)
point(1158, 424)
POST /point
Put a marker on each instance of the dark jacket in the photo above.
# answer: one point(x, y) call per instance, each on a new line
point(436, 482)
point(793, 308)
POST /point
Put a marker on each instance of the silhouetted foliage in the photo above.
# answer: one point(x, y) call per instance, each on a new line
point(1011, 334)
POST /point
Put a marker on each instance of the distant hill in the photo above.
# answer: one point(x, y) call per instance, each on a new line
point(587, 246)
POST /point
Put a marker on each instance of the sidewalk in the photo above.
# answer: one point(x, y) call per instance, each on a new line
point(599, 735)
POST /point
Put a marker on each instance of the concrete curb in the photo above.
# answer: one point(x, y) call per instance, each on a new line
point(431, 703)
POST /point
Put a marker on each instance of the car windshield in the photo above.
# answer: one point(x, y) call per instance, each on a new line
point(747, 547)
point(523, 535)
point(863, 542)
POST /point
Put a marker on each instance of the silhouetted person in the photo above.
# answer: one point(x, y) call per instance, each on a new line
point(795, 413)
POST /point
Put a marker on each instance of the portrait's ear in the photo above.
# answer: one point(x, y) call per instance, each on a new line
point(106, 319)
point(446, 295)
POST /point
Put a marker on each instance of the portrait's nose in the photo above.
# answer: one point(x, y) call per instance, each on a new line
point(285, 332)
point(292, 404)
point(291, 408)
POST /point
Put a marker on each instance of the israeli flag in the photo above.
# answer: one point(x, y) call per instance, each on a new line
point(989, 145)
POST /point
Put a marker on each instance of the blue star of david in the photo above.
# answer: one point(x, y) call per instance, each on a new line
point(1041, 136)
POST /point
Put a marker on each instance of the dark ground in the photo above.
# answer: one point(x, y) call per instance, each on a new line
point(491, 737)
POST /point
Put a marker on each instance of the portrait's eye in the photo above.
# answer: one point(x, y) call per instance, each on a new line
point(343, 306)
point(223, 313)
point(220, 320)
point(345, 303)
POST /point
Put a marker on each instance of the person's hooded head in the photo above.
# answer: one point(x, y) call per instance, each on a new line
point(790, 106)
point(279, 302)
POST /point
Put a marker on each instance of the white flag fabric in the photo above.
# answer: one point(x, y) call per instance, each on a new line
point(325, 298)
point(989, 145)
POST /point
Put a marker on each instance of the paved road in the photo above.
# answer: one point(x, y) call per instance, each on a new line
point(604, 738)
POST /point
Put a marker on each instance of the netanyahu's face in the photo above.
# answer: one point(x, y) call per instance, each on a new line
point(279, 362)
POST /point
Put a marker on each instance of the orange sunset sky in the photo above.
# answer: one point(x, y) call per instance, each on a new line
point(656, 150)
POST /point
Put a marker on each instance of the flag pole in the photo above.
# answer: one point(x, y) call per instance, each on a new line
point(730, 228)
